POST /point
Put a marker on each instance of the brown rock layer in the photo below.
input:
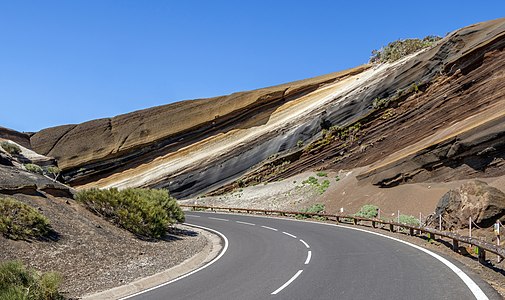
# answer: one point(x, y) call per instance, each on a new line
point(483, 203)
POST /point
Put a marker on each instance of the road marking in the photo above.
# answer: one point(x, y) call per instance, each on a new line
point(219, 219)
point(269, 228)
point(223, 251)
point(246, 223)
point(287, 283)
point(289, 234)
point(193, 216)
point(472, 286)
point(309, 255)
point(306, 245)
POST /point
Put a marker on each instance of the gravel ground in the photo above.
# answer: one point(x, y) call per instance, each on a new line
point(93, 255)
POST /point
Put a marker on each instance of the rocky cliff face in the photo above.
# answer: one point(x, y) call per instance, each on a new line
point(436, 114)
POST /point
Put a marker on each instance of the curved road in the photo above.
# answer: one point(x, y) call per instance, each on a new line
point(270, 258)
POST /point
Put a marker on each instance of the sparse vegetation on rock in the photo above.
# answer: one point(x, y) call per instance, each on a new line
point(21, 221)
point(34, 168)
point(320, 187)
point(144, 212)
point(10, 148)
point(17, 282)
point(401, 48)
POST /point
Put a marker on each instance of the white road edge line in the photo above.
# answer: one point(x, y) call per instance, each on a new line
point(472, 286)
point(269, 228)
point(246, 223)
point(309, 255)
point(306, 245)
point(219, 219)
point(223, 251)
point(289, 234)
point(287, 283)
point(193, 216)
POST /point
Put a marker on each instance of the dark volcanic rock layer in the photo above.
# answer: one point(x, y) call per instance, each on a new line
point(194, 146)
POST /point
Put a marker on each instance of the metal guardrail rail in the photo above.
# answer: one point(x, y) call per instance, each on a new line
point(482, 246)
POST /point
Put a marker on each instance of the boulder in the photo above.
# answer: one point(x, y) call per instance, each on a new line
point(476, 199)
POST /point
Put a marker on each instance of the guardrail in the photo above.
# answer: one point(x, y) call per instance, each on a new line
point(482, 246)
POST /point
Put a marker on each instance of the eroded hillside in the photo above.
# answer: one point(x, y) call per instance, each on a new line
point(435, 115)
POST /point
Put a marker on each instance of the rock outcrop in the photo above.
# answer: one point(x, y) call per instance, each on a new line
point(445, 98)
point(475, 199)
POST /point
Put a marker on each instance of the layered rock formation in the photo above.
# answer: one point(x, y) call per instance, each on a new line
point(445, 116)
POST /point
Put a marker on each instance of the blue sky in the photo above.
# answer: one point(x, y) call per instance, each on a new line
point(64, 62)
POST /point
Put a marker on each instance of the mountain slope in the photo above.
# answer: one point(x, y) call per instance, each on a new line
point(197, 146)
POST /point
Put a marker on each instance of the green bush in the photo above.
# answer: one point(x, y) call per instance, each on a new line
point(11, 148)
point(18, 282)
point(311, 180)
point(53, 171)
point(409, 220)
point(368, 211)
point(401, 48)
point(34, 168)
point(322, 174)
point(316, 209)
point(144, 212)
point(320, 187)
point(21, 221)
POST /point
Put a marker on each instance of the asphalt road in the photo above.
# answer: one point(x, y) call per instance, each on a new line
point(270, 258)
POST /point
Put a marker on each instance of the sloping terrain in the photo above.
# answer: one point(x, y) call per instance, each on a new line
point(90, 253)
point(440, 99)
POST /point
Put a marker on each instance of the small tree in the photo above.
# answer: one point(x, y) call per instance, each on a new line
point(54, 172)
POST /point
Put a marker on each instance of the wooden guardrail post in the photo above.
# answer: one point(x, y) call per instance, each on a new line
point(373, 224)
point(337, 219)
point(411, 231)
point(354, 221)
point(482, 255)
point(391, 227)
point(455, 245)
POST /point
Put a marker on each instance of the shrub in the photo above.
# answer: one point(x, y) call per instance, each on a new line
point(299, 144)
point(18, 282)
point(337, 178)
point(321, 188)
point(34, 168)
point(322, 174)
point(409, 220)
point(53, 171)
point(368, 211)
point(144, 212)
point(401, 48)
point(324, 186)
point(21, 221)
point(316, 209)
point(10, 148)
point(311, 180)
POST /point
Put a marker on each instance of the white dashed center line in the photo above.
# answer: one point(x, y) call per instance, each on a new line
point(289, 234)
point(219, 219)
point(269, 228)
point(287, 283)
point(306, 245)
point(309, 255)
point(246, 223)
